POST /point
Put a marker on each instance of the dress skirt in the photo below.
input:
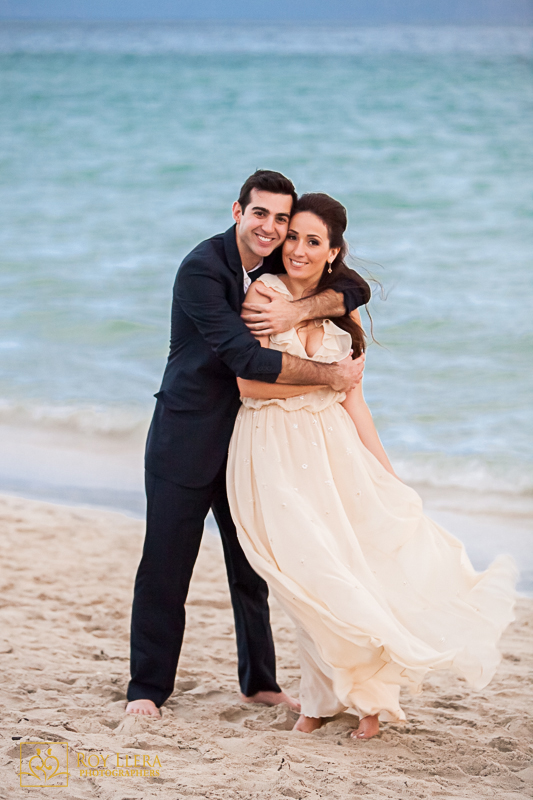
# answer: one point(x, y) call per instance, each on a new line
point(379, 593)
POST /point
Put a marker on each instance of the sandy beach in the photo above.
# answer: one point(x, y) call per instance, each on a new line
point(65, 604)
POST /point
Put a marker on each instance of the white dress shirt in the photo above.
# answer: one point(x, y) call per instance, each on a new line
point(247, 280)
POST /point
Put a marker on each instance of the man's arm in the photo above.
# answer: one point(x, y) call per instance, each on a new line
point(302, 372)
point(201, 291)
point(276, 314)
point(273, 313)
point(341, 376)
point(202, 295)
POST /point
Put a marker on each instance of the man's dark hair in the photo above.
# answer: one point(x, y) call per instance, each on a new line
point(265, 180)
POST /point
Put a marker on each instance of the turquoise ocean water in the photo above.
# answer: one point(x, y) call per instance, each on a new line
point(122, 146)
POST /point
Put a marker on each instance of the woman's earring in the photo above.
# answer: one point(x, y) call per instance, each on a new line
point(329, 267)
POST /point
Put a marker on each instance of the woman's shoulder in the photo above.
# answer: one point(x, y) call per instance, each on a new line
point(274, 282)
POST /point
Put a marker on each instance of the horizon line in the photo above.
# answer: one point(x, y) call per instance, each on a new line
point(313, 22)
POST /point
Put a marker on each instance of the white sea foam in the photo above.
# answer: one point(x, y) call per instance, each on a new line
point(89, 420)
point(467, 473)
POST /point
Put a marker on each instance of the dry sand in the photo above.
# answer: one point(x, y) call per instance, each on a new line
point(65, 603)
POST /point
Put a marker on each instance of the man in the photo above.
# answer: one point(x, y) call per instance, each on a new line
point(188, 439)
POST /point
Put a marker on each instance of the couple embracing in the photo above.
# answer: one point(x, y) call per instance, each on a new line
point(262, 419)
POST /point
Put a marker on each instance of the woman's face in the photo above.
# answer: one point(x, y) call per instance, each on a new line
point(306, 248)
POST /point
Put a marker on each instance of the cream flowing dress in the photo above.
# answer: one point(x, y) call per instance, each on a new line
point(379, 593)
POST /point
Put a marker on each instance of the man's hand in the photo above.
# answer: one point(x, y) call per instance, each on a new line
point(341, 376)
point(276, 316)
point(348, 373)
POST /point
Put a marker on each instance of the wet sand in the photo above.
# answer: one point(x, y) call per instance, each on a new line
point(65, 602)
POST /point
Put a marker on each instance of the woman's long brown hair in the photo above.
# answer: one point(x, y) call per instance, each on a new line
point(333, 215)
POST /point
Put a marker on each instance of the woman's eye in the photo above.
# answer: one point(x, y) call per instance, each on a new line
point(313, 241)
point(291, 236)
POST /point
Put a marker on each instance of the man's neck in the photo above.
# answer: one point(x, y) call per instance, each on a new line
point(249, 267)
point(249, 259)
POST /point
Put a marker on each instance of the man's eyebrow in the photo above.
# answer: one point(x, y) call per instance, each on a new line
point(267, 211)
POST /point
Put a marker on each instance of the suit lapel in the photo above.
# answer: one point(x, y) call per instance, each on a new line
point(233, 259)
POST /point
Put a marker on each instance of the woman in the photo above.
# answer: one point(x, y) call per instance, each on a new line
point(380, 595)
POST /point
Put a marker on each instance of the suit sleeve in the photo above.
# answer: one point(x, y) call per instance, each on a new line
point(201, 294)
point(355, 293)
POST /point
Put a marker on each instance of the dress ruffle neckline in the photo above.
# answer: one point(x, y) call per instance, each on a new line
point(336, 343)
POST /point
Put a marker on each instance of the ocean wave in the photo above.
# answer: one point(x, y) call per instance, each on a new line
point(89, 420)
point(481, 481)
point(477, 474)
point(475, 485)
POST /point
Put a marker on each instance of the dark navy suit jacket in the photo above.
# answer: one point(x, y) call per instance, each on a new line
point(209, 346)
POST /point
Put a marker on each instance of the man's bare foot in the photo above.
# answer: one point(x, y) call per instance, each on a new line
point(272, 699)
point(146, 708)
point(368, 727)
point(308, 724)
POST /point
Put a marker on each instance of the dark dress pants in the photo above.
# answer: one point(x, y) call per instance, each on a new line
point(175, 522)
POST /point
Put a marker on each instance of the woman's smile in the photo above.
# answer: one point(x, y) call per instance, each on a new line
point(307, 249)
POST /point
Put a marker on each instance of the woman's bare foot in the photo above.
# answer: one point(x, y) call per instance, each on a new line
point(308, 724)
point(368, 727)
point(146, 708)
point(272, 699)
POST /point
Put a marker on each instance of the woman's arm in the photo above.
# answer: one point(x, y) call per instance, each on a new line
point(360, 413)
point(358, 410)
point(259, 390)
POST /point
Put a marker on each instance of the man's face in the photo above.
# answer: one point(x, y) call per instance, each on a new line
point(263, 224)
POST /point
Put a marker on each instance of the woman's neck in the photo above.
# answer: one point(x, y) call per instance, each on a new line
point(297, 288)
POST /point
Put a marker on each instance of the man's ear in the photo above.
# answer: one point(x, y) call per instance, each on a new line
point(236, 211)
